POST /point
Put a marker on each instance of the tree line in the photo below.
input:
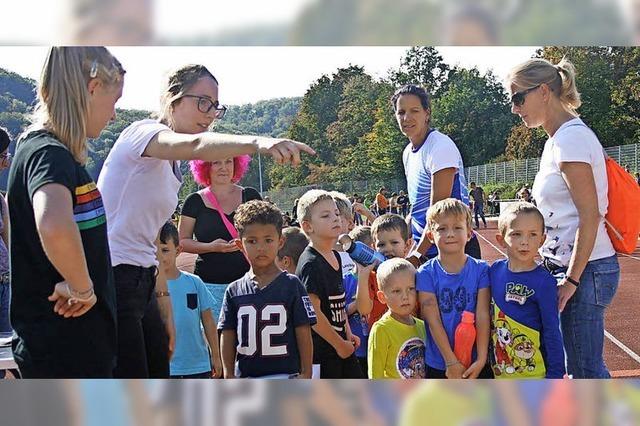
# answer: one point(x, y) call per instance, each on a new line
point(348, 119)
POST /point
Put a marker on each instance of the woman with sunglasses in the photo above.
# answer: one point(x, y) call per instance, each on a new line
point(571, 192)
point(139, 182)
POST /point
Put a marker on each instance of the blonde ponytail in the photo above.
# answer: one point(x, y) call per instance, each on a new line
point(63, 97)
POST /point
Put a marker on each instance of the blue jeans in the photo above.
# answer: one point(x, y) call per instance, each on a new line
point(5, 300)
point(478, 209)
point(582, 320)
point(217, 292)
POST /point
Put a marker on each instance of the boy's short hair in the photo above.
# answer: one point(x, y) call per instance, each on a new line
point(308, 200)
point(362, 234)
point(343, 203)
point(511, 212)
point(294, 243)
point(390, 267)
point(169, 232)
point(448, 206)
point(390, 222)
point(258, 212)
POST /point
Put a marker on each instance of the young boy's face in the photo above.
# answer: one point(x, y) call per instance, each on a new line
point(390, 243)
point(168, 254)
point(399, 293)
point(325, 220)
point(450, 233)
point(523, 237)
point(261, 244)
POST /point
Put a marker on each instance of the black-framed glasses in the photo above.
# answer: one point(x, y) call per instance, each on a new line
point(518, 98)
point(205, 105)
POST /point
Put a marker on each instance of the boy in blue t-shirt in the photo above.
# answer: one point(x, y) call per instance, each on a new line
point(448, 285)
point(525, 331)
point(266, 315)
point(192, 306)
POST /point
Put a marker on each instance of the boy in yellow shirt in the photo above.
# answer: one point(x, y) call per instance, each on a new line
point(396, 342)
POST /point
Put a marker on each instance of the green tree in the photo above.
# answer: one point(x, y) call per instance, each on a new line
point(523, 142)
point(422, 66)
point(475, 113)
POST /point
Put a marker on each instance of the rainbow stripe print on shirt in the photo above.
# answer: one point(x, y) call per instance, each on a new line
point(89, 210)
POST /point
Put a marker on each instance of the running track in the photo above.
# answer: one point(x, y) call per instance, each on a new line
point(622, 325)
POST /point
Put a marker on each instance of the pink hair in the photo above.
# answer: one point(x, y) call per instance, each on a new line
point(201, 169)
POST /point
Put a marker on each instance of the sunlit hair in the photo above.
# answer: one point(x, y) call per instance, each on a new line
point(308, 200)
point(513, 210)
point(180, 82)
point(258, 212)
point(560, 78)
point(201, 170)
point(362, 234)
point(448, 207)
point(391, 267)
point(390, 222)
point(63, 96)
point(343, 203)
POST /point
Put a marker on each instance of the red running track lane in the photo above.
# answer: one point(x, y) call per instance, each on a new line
point(622, 324)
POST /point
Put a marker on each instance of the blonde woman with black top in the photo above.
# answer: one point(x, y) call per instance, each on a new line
point(63, 297)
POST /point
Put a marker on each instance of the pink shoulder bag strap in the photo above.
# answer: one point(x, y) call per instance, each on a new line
point(216, 205)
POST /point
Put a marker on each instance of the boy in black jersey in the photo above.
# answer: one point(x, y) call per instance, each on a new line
point(320, 270)
point(266, 315)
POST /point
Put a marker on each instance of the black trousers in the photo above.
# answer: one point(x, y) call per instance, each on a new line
point(338, 368)
point(143, 343)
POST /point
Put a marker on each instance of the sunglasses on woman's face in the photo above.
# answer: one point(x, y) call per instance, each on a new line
point(518, 98)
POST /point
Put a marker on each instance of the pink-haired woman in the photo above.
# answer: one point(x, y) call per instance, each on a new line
point(206, 223)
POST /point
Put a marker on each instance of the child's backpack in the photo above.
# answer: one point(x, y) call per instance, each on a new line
point(622, 218)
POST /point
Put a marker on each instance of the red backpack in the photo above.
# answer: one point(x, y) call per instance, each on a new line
point(622, 218)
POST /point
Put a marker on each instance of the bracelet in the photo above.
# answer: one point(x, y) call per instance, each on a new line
point(572, 281)
point(162, 293)
point(74, 295)
point(450, 363)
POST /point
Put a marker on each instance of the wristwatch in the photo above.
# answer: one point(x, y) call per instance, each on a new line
point(572, 281)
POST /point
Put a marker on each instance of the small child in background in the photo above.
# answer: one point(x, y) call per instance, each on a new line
point(396, 344)
point(448, 285)
point(266, 315)
point(346, 225)
point(192, 305)
point(362, 234)
point(320, 270)
point(392, 238)
point(525, 328)
point(358, 323)
point(294, 244)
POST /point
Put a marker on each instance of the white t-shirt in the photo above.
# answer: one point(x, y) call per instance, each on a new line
point(438, 152)
point(348, 264)
point(572, 142)
point(139, 195)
